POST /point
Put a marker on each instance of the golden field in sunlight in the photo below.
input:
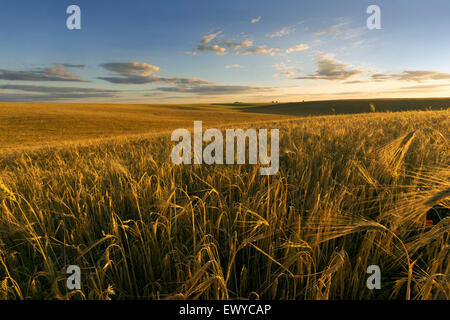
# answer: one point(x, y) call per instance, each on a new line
point(37, 124)
point(50, 124)
point(353, 190)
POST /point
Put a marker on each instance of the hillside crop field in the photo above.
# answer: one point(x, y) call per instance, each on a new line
point(50, 124)
point(30, 125)
point(353, 190)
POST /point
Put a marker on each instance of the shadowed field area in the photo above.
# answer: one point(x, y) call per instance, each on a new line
point(347, 106)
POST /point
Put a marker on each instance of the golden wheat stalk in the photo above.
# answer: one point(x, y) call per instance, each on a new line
point(437, 197)
point(5, 192)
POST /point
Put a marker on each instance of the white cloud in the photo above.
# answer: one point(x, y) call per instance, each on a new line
point(299, 47)
point(256, 20)
point(191, 53)
point(261, 50)
point(206, 45)
point(234, 66)
point(238, 45)
point(286, 70)
point(216, 49)
point(210, 42)
point(341, 30)
point(333, 29)
point(207, 38)
point(283, 67)
point(283, 32)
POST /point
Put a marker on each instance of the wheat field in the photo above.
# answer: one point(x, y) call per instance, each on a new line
point(352, 191)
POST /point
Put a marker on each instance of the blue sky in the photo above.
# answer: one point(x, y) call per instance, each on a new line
point(223, 51)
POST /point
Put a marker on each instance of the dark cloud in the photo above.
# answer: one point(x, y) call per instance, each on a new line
point(11, 97)
point(141, 73)
point(329, 68)
point(69, 65)
point(50, 97)
point(45, 89)
point(47, 93)
point(44, 74)
point(154, 79)
point(357, 81)
point(413, 75)
point(215, 89)
point(131, 69)
point(138, 73)
point(425, 87)
point(131, 80)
